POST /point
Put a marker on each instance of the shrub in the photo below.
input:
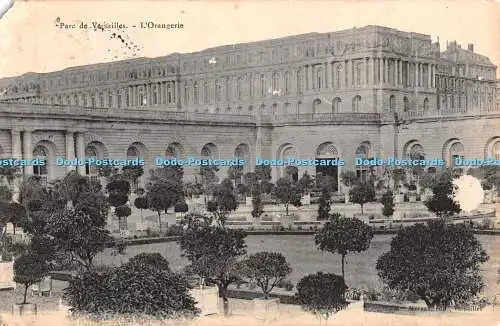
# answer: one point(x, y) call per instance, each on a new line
point(151, 259)
point(131, 289)
point(322, 294)
point(28, 270)
point(267, 269)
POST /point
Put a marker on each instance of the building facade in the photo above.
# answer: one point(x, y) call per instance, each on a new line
point(363, 92)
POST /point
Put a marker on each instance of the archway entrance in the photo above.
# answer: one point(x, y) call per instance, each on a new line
point(327, 151)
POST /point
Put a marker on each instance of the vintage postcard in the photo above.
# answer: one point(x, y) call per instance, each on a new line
point(249, 162)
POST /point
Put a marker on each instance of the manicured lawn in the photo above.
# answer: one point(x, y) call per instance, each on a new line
point(305, 258)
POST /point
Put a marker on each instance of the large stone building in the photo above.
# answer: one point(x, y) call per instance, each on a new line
point(371, 91)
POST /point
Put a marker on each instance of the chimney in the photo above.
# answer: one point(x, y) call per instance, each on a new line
point(470, 47)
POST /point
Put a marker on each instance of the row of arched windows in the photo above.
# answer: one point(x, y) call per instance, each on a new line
point(117, 98)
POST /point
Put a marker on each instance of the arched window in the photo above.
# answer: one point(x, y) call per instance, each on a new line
point(101, 100)
point(251, 86)
point(196, 93)
point(359, 72)
point(41, 153)
point(155, 95)
point(316, 105)
point(141, 98)
point(426, 104)
point(218, 91)
point(362, 152)
point(169, 93)
point(263, 109)
point(276, 82)
point(173, 151)
point(338, 80)
point(495, 151)
point(119, 98)
point(286, 82)
point(356, 103)
point(186, 94)
point(75, 100)
point(262, 85)
point(416, 152)
point(206, 92)
point(238, 88)
point(93, 101)
point(392, 103)
point(132, 153)
point(456, 151)
point(85, 101)
point(300, 80)
point(91, 170)
point(336, 104)
point(406, 104)
point(320, 79)
point(110, 99)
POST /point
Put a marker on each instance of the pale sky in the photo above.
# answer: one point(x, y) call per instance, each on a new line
point(30, 40)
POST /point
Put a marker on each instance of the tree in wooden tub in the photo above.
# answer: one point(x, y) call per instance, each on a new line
point(267, 270)
point(29, 269)
point(323, 294)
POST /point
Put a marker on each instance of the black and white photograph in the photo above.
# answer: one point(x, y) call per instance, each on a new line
point(249, 162)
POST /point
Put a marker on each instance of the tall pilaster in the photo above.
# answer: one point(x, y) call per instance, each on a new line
point(386, 70)
point(27, 151)
point(365, 72)
point(16, 143)
point(380, 70)
point(80, 151)
point(309, 77)
point(16, 154)
point(416, 74)
point(421, 74)
point(328, 79)
point(70, 148)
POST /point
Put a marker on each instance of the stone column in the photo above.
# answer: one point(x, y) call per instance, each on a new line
point(328, 79)
point(396, 72)
point(348, 71)
point(149, 94)
point(416, 74)
point(16, 143)
point(386, 70)
point(27, 151)
point(309, 77)
point(429, 75)
point(365, 72)
point(70, 148)
point(16, 154)
point(132, 97)
point(408, 73)
point(421, 74)
point(372, 70)
point(400, 72)
point(380, 70)
point(433, 80)
point(80, 151)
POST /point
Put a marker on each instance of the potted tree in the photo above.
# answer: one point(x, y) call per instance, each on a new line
point(323, 294)
point(267, 270)
point(28, 270)
point(6, 263)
